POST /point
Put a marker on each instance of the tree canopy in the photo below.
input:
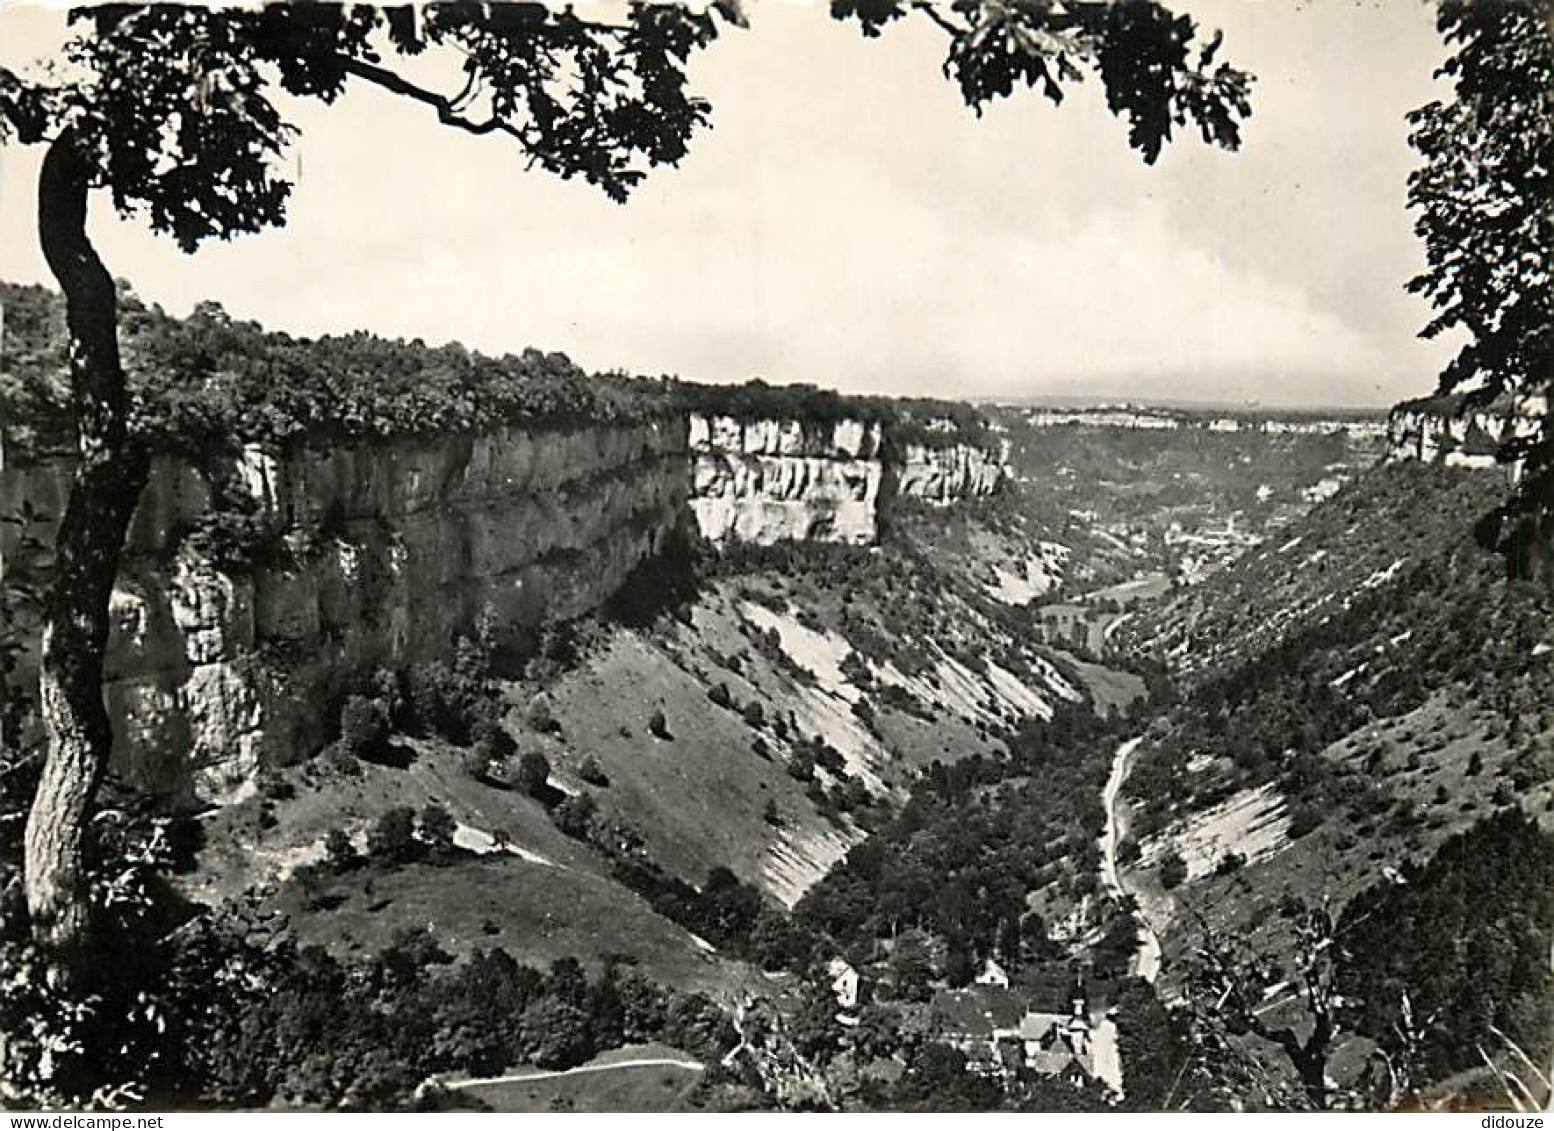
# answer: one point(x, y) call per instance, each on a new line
point(1483, 202)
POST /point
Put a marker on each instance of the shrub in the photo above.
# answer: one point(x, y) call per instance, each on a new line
point(339, 853)
point(1173, 869)
point(392, 840)
point(492, 740)
point(476, 764)
point(541, 718)
point(364, 727)
point(771, 815)
point(575, 815)
point(754, 714)
point(341, 760)
point(445, 700)
point(829, 757)
point(801, 766)
point(658, 725)
point(593, 773)
point(437, 828)
point(721, 696)
point(533, 773)
point(1304, 817)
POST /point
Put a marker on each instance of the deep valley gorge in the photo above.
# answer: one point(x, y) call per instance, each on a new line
point(477, 720)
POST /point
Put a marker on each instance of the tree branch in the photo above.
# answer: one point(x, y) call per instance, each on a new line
point(446, 114)
point(949, 26)
point(27, 119)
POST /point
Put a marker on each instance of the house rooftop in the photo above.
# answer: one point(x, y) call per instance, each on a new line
point(978, 1010)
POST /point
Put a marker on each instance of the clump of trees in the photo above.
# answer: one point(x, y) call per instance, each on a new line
point(974, 840)
point(1465, 940)
point(399, 836)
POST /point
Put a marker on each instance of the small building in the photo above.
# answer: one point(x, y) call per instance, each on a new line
point(1059, 1044)
point(999, 1034)
point(844, 982)
point(993, 975)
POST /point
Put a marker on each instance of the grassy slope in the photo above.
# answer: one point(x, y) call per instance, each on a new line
point(774, 634)
point(1397, 515)
point(1404, 778)
point(565, 903)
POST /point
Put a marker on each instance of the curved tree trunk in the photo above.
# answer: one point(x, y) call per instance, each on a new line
point(103, 496)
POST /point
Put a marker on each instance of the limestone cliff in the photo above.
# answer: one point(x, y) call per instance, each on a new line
point(1446, 430)
point(767, 481)
point(948, 473)
point(382, 554)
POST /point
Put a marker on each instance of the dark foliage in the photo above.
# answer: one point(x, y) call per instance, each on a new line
point(1481, 198)
point(975, 839)
point(1467, 938)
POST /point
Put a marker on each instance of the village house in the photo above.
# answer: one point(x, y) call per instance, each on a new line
point(999, 1033)
point(993, 975)
point(845, 986)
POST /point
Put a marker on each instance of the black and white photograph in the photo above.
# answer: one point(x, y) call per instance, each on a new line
point(776, 556)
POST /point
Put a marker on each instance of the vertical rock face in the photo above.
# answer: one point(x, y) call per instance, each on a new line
point(382, 553)
point(376, 554)
point(948, 474)
point(767, 481)
point(1443, 430)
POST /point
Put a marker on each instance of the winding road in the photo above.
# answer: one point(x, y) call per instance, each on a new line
point(1146, 963)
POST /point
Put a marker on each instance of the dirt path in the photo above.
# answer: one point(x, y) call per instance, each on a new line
point(1146, 963)
point(526, 1077)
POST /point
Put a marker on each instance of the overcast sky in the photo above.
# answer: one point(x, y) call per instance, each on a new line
point(848, 221)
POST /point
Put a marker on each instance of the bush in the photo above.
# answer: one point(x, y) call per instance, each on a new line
point(1304, 817)
point(754, 714)
point(477, 764)
point(801, 766)
point(1173, 869)
point(575, 815)
point(721, 695)
point(392, 839)
point(533, 773)
point(658, 726)
point(541, 718)
point(445, 700)
point(829, 757)
point(364, 727)
point(1229, 863)
point(593, 773)
point(339, 853)
point(437, 828)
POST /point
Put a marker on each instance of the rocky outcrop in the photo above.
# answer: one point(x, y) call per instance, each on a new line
point(372, 555)
point(948, 473)
point(1446, 430)
point(259, 589)
point(767, 481)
